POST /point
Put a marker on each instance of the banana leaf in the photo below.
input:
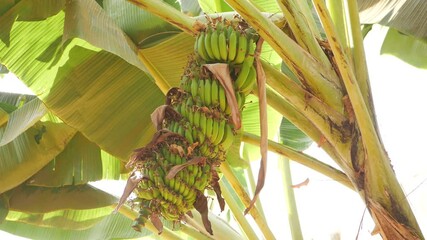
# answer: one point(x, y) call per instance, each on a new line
point(40, 200)
point(141, 26)
point(31, 151)
point(408, 48)
point(408, 17)
point(113, 226)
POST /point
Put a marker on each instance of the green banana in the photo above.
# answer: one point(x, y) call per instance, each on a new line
point(232, 45)
point(214, 92)
point(209, 128)
point(201, 136)
point(222, 42)
point(249, 83)
point(194, 87)
point(197, 116)
point(228, 137)
point(221, 126)
point(188, 135)
point(203, 123)
point(215, 131)
point(201, 90)
point(207, 92)
point(177, 185)
point(243, 75)
point(208, 45)
point(201, 46)
point(242, 49)
point(222, 98)
point(215, 45)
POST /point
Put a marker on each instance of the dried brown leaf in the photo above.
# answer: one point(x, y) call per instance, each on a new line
point(389, 227)
point(156, 222)
point(177, 149)
point(222, 72)
point(261, 81)
point(301, 184)
point(217, 189)
point(175, 169)
point(201, 205)
point(131, 184)
point(162, 112)
point(174, 94)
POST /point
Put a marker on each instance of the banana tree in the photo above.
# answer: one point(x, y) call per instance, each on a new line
point(100, 68)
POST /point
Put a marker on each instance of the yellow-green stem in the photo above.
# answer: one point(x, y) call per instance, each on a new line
point(301, 158)
point(298, 20)
point(359, 61)
point(291, 205)
point(190, 231)
point(237, 212)
point(166, 234)
point(380, 183)
point(240, 191)
point(221, 229)
point(337, 12)
point(305, 125)
point(302, 64)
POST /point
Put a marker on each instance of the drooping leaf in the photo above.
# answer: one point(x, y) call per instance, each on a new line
point(216, 6)
point(408, 17)
point(170, 57)
point(31, 151)
point(408, 48)
point(85, 19)
point(22, 119)
point(113, 226)
point(31, 199)
point(85, 87)
point(79, 163)
point(4, 207)
point(292, 137)
point(191, 7)
point(141, 26)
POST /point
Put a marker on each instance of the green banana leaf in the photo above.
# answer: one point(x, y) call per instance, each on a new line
point(141, 26)
point(408, 48)
point(31, 151)
point(40, 200)
point(21, 119)
point(191, 7)
point(113, 226)
point(408, 17)
point(251, 124)
point(79, 163)
point(292, 137)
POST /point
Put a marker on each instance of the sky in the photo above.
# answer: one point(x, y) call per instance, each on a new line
point(325, 207)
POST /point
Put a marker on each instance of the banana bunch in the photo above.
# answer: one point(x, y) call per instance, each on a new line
point(223, 41)
point(201, 127)
point(170, 197)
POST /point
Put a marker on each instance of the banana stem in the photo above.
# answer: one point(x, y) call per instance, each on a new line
point(129, 213)
point(337, 11)
point(240, 191)
point(301, 158)
point(299, 18)
point(381, 189)
point(194, 233)
point(291, 205)
point(168, 13)
point(359, 61)
point(303, 65)
point(307, 126)
point(237, 212)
